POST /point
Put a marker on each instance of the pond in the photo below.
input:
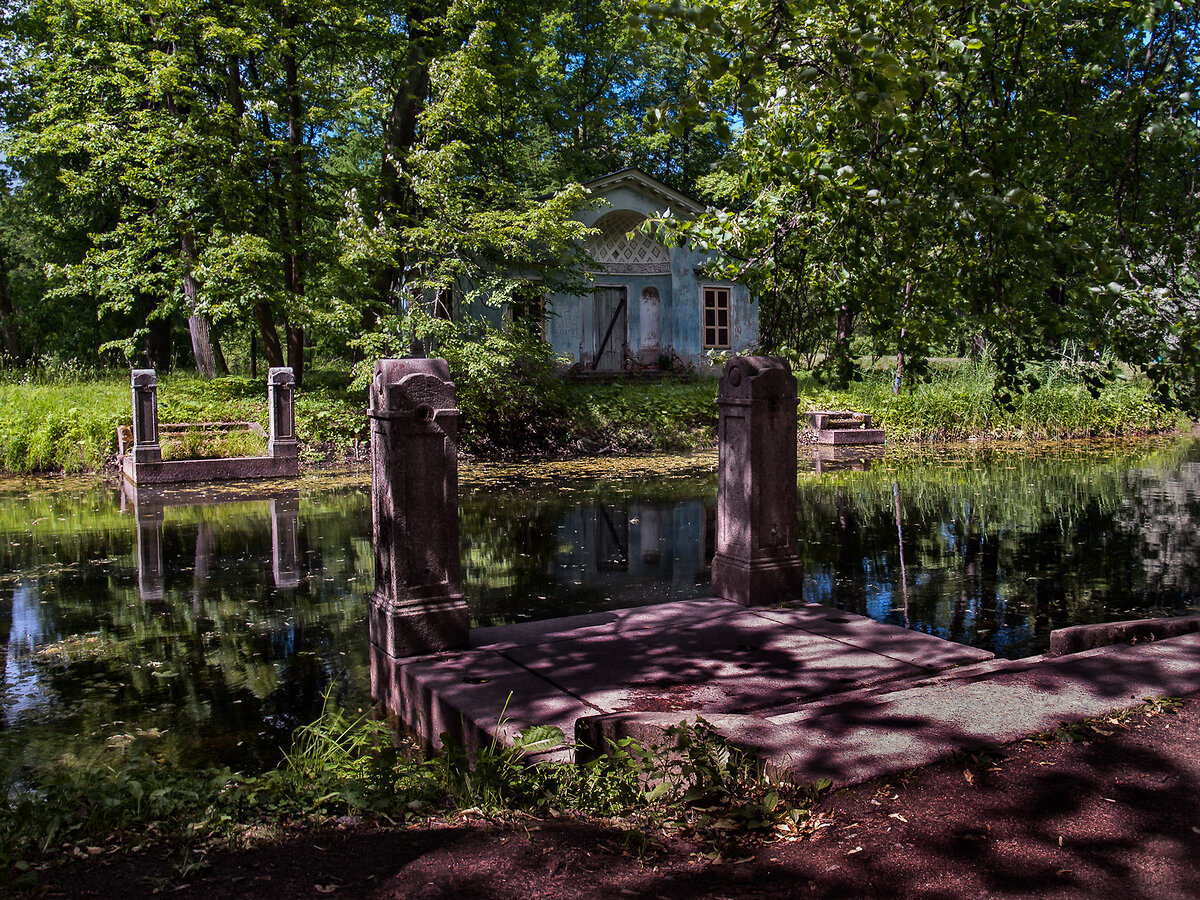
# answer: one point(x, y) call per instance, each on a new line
point(204, 626)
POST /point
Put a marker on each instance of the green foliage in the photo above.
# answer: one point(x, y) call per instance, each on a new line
point(927, 174)
point(958, 402)
point(342, 765)
point(60, 427)
point(200, 443)
point(654, 415)
point(505, 381)
point(514, 404)
point(52, 421)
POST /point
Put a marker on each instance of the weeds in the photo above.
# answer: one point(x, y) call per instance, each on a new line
point(197, 443)
point(1105, 726)
point(352, 765)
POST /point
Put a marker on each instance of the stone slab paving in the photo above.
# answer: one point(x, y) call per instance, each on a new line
point(723, 658)
point(697, 657)
point(871, 734)
point(817, 692)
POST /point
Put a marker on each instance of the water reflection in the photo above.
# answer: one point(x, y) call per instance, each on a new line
point(205, 625)
point(147, 503)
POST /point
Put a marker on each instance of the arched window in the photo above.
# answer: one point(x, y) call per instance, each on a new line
point(616, 252)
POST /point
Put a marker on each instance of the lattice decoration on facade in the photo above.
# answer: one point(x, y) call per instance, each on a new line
point(617, 253)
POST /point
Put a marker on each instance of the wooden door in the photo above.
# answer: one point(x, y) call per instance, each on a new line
point(608, 323)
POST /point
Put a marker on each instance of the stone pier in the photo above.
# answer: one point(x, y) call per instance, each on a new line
point(144, 465)
point(756, 562)
point(281, 403)
point(417, 606)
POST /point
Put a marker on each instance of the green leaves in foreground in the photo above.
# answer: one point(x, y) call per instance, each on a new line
point(342, 765)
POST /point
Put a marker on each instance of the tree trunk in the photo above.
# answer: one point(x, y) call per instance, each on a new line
point(899, 379)
point(295, 336)
point(202, 348)
point(201, 332)
point(219, 356)
point(295, 204)
point(397, 205)
point(10, 334)
point(270, 338)
point(843, 366)
point(443, 304)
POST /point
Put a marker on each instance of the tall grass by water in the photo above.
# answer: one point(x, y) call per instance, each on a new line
point(958, 402)
point(65, 420)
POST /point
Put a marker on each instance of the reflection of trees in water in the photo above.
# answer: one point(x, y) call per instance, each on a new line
point(1005, 547)
point(550, 550)
point(1165, 512)
point(223, 658)
point(508, 548)
point(998, 547)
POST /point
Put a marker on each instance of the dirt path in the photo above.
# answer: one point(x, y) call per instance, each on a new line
point(1114, 817)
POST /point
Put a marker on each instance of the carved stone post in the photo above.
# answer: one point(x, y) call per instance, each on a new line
point(145, 416)
point(756, 560)
point(417, 606)
point(281, 397)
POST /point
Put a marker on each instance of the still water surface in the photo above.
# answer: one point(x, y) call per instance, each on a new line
point(205, 626)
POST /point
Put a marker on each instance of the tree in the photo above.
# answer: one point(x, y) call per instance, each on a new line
point(188, 136)
point(925, 173)
point(305, 167)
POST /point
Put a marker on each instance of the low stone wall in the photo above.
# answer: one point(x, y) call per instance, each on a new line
point(1078, 638)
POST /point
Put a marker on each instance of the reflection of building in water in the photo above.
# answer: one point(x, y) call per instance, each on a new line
point(626, 548)
point(148, 504)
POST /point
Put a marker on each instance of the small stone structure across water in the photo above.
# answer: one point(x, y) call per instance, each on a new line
point(817, 692)
point(144, 465)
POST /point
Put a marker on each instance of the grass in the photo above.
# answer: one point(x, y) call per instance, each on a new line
point(197, 443)
point(957, 403)
point(641, 416)
point(66, 422)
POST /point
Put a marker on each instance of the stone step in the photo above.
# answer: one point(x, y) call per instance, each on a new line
point(845, 436)
point(820, 420)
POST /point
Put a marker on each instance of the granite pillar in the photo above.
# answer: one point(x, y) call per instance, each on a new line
point(417, 606)
point(144, 385)
point(756, 561)
point(281, 403)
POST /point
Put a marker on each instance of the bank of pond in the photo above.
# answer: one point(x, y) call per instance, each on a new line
point(68, 423)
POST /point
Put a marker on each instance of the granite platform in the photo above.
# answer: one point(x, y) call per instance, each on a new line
point(817, 692)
